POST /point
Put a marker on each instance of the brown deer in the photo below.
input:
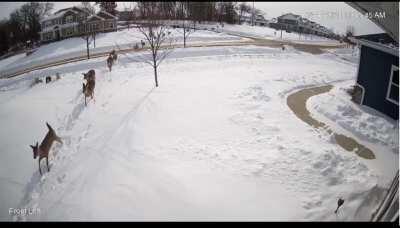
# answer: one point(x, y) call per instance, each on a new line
point(88, 88)
point(110, 62)
point(43, 150)
point(114, 55)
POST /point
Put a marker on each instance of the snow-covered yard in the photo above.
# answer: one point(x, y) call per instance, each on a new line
point(126, 38)
point(216, 141)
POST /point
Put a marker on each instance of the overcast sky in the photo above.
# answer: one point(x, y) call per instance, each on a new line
point(333, 15)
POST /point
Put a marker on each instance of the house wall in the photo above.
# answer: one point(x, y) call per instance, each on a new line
point(374, 75)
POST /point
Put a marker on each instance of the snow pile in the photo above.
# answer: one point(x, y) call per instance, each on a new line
point(215, 141)
point(364, 123)
point(349, 54)
point(371, 126)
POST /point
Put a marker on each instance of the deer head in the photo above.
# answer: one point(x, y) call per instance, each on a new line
point(35, 150)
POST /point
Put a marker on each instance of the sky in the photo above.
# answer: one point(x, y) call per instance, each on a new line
point(334, 15)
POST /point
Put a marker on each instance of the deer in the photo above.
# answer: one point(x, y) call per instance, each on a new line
point(114, 55)
point(110, 62)
point(88, 88)
point(43, 150)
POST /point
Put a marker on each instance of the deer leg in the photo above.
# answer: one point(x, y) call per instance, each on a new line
point(47, 163)
point(40, 171)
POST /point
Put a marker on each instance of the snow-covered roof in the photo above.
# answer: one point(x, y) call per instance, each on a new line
point(290, 16)
point(381, 47)
point(105, 12)
point(58, 14)
point(93, 15)
point(54, 16)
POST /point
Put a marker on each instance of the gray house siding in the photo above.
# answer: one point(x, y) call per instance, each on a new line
point(374, 75)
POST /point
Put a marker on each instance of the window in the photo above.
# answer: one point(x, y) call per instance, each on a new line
point(69, 31)
point(69, 19)
point(393, 87)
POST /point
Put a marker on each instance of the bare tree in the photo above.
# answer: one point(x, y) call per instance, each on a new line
point(156, 35)
point(91, 10)
point(84, 34)
point(188, 28)
point(89, 7)
point(159, 42)
point(243, 8)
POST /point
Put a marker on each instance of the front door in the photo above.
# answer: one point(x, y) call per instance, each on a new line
point(57, 33)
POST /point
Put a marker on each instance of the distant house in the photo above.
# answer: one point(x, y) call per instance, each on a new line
point(126, 15)
point(75, 21)
point(295, 23)
point(378, 74)
point(258, 19)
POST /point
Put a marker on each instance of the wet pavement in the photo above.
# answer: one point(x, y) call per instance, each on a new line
point(297, 103)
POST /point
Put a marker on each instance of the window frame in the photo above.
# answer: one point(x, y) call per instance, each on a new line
point(390, 84)
point(69, 19)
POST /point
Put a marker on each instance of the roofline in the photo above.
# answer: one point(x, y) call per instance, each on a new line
point(376, 46)
point(94, 15)
point(61, 15)
point(102, 11)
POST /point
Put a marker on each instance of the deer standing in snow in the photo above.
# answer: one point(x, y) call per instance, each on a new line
point(110, 62)
point(43, 150)
point(88, 88)
point(114, 56)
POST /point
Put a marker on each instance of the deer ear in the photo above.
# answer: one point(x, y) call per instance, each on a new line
point(37, 144)
point(32, 146)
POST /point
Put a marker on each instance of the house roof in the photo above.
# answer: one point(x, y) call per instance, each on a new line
point(378, 37)
point(378, 46)
point(96, 16)
point(290, 16)
point(106, 13)
point(59, 14)
point(54, 16)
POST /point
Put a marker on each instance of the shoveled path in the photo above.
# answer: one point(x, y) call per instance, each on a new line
point(297, 103)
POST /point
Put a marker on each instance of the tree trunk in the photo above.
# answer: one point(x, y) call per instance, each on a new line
point(155, 75)
point(184, 37)
point(87, 47)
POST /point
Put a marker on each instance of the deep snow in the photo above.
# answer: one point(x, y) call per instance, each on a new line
point(215, 141)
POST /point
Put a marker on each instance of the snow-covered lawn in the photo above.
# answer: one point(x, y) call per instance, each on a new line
point(216, 141)
point(10, 60)
point(76, 46)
